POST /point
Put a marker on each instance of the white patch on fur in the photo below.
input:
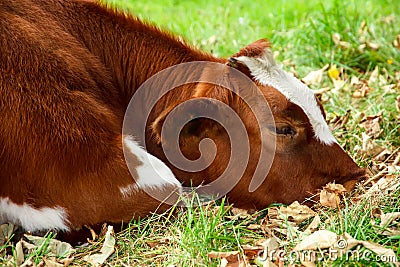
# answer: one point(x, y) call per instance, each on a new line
point(265, 70)
point(32, 219)
point(152, 172)
point(129, 190)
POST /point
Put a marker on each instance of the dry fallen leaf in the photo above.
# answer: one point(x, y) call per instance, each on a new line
point(237, 213)
point(158, 242)
point(369, 147)
point(224, 262)
point(338, 85)
point(315, 77)
point(387, 218)
point(363, 32)
point(253, 226)
point(376, 248)
point(383, 186)
point(373, 46)
point(56, 247)
point(361, 86)
point(339, 122)
point(329, 196)
point(67, 261)
point(389, 89)
point(361, 48)
point(373, 78)
point(336, 39)
point(389, 19)
point(354, 80)
point(212, 40)
point(396, 41)
point(28, 246)
point(318, 240)
point(52, 263)
point(28, 263)
point(106, 250)
point(372, 125)
point(230, 255)
point(296, 212)
point(323, 239)
point(264, 263)
point(391, 232)
point(306, 263)
point(276, 223)
point(269, 245)
point(382, 156)
point(329, 199)
point(92, 233)
point(361, 92)
point(380, 250)
point(6, 231)
point(252, 251)
point(393, 170)
point(19, 253)
point(313, 225)
point(335, 188)
point(228, 259)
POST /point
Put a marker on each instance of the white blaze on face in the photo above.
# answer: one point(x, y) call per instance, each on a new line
point(32, 219)
point(265, 70)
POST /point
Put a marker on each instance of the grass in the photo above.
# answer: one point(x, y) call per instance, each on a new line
point(302, 36)
point(356, 219)
point(182, 237)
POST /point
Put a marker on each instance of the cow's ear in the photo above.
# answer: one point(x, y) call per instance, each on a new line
point(190, 118)
point(321, 107)
point(257, 49)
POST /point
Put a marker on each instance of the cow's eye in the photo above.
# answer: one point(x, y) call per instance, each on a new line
point(283, 130)
point(286, 130)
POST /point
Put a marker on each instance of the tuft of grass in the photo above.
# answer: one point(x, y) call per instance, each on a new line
point(181, 237)
point(357, 219)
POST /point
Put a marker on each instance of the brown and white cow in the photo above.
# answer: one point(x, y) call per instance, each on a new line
point(68, 70)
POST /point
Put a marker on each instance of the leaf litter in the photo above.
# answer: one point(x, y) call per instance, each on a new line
point(106, 250)
point(299, 223)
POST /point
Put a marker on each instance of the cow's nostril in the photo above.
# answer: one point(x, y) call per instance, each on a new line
point(361, 175)
point(355, 178)
point(350, 185)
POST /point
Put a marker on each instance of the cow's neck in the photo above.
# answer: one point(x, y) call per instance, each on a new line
point(131, 50)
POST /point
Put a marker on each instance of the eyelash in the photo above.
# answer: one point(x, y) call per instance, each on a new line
point(284, 130)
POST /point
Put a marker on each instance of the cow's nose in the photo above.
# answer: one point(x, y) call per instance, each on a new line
point(356, 177)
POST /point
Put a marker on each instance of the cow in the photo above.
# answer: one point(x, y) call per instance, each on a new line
point(68, 72)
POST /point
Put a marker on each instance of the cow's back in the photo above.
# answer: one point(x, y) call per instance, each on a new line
point(57, 114)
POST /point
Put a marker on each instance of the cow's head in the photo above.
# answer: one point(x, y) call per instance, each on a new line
point(305, 157)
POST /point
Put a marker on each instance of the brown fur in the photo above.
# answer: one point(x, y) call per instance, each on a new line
point(68, 70)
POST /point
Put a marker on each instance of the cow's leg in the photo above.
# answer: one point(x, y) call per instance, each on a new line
point(75, 174)
point(116, 194)
point(108, 193)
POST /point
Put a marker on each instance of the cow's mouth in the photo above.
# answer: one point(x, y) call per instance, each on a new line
point(352, 181)
point(350, 185)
